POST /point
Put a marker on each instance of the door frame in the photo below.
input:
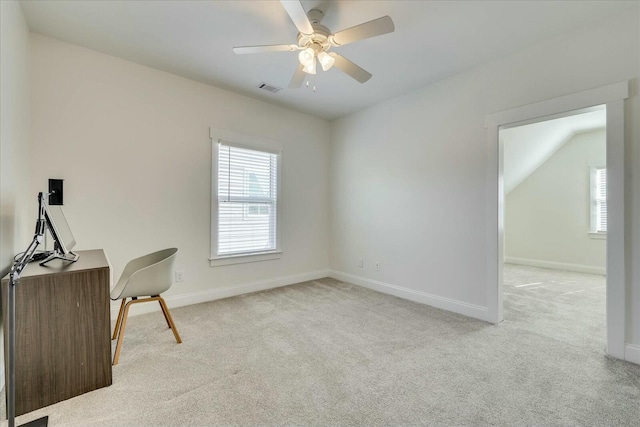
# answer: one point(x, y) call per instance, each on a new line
point(613, 97)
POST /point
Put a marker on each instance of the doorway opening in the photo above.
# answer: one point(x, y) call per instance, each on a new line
point(555, 221)
point(613, 96)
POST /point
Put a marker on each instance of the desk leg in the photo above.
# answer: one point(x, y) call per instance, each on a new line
point(11, 392)
point(11, 386)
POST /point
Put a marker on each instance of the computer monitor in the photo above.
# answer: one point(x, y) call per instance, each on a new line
point(63, 240)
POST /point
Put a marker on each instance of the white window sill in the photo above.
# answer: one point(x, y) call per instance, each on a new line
point(601, 236)
point(241, 259)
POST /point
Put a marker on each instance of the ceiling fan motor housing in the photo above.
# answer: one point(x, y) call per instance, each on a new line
point(319, 40)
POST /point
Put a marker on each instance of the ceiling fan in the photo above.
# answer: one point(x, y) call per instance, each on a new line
point(315, 40)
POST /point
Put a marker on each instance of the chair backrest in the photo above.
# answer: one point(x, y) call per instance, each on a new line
point(147, 275)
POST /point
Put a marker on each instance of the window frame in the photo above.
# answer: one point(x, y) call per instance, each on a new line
point(594, 233)
point(251, 142)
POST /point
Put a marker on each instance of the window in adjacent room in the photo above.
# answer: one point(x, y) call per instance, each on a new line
point(598, 201)
point(245, 219)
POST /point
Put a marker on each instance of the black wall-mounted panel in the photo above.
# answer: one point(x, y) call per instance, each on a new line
point(55, 187)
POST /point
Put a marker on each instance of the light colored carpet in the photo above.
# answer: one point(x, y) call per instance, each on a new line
point(328, 353)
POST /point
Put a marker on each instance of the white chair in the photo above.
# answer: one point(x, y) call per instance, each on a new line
point(147, 276)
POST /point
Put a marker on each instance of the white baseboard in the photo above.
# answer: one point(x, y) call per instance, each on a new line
point(460, 307)
point(219, 293)
point(579, 268)
point(632, 353)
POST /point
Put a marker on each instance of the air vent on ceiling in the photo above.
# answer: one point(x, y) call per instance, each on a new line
point(269, 88)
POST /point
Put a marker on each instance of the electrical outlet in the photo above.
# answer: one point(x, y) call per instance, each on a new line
point(360, 263)
point(377, 265)
point(179, 275)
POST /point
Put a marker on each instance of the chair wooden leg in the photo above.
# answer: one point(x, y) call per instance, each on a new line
point(121, 323)
point(164, 314)
point(119, 320)
point(167, 316)
point(116, 355)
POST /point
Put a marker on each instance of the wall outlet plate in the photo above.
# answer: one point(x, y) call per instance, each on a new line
point(179, 275)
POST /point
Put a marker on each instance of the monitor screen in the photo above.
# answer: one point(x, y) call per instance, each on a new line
point(59, 229)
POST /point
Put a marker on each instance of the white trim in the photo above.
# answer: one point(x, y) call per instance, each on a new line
point(579, 268)
point(613, 96)
point(617, 255)
point(270, 147)
point(245, 139)
point(241, 259)
point(183, 300)
point(460, 307)
point(598, 236)
point(557, 107)
point(632, 353)
point(251, 142)
point(219, 293)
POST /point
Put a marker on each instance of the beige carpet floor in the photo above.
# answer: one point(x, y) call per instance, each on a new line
point(328, 353)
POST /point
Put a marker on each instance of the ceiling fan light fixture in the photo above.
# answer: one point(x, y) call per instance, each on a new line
point(326, 61)
point(307, 57)
point(314, 39)
point(311, 68)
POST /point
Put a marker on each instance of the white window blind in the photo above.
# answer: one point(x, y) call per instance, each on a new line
point(247, 200)
point(600, 200)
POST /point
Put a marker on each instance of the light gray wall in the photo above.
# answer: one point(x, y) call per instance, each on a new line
point(547, 216)
point(409, 175)
point(132, 144)
point(15, 218)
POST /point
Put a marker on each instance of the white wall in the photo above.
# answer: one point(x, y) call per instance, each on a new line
point(527, 147)
point(15, 223)
point(132, 144)
point(409, 174)
point(14, 140)
point(547, 216)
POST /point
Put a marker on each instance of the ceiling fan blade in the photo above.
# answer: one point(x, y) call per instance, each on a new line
point(348, 67)
point(298, 77)
point(240, 50)
point(369, 29)
point(298, 15)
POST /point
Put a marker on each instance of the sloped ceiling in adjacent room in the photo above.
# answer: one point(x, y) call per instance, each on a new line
point(527, 147)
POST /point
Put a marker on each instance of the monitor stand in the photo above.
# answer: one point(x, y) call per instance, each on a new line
point(70, 257)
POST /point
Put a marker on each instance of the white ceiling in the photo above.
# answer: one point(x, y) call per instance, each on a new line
point(526, 148)
point(432, 40)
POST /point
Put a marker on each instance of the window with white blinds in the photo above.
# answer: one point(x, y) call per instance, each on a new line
point(247, 199)
point(599, 200)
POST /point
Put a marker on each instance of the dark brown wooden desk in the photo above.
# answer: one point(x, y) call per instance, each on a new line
point(63, 347)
